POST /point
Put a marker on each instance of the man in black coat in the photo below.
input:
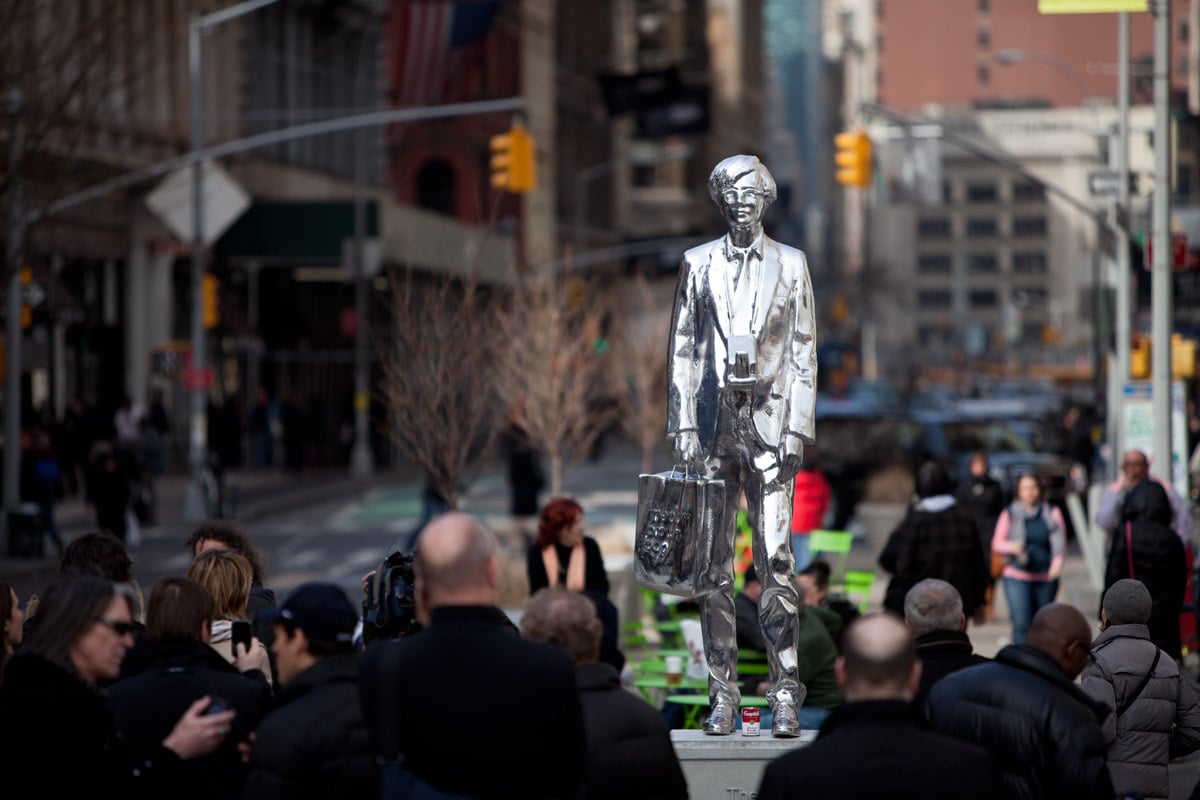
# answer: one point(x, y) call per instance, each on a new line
point(1026, 710)
point(177, 668)
point(465, 704)
point(629, 751)
point(875, 745)
point(315, 744)
point(933, 612)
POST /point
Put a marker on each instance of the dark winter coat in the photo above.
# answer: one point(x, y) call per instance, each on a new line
point(629, 751)
point(879, 749)
point(1161, 724)
point(469, 673)
point(941, 653)
point(174, 676)
point(984, 498)
point(315, 743)
point(1159, 561)
point(1039, 726)
point(58, 738)
point(936, 544)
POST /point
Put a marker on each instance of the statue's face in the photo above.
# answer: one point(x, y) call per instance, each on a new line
point(743, 204)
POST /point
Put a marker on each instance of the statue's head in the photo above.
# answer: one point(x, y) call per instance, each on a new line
point(743, 188)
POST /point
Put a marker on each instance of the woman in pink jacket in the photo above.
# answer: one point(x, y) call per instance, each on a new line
point(1031, 533)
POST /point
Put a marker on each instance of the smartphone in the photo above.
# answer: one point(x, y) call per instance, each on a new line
point(216, 705)
point(242, 634)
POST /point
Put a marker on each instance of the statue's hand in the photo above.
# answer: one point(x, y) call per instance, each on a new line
point(687, 449)
point(791, 456)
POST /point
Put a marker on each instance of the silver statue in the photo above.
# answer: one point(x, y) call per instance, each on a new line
point(743, 372)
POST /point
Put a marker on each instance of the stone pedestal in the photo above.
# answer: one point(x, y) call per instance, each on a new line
point(729, 767)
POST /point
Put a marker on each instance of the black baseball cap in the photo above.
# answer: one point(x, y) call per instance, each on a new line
point(321, 610)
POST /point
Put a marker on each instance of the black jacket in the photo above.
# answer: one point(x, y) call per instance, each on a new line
point(984, 498)
point(1160, 562)
point(1038, 725)
point(173, 677)
point(595, 578)
point(942, 652)
point(469, 675)
point(57, 735)
point(629, 751)
point(315, 744)
point(879, 749)
point(941, 544)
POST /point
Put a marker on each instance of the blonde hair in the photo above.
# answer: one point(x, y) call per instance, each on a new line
point(227, 577)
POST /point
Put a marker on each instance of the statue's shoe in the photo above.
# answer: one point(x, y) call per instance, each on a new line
point(785, 723)
point(721, 719)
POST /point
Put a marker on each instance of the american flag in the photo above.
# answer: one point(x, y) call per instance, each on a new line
point(429, 42)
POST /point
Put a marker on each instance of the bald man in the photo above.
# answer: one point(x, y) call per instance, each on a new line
point(465, 705)
point(1026, 710)
point(875, 744)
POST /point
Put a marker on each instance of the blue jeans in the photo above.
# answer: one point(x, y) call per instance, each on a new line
point(800, 551)
point(1024, 599)
point(811, 718)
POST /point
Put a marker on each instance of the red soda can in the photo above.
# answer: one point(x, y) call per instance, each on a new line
point(750, 720)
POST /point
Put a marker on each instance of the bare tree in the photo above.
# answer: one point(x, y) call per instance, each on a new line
point(440, 380)
point(640, 349)
point(556, 377)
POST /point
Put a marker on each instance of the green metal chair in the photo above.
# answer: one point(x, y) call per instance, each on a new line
point(858, 587)
point(837, 543)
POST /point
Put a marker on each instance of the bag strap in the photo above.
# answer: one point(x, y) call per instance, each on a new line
point(389, 728)
point(1129, 546)
point(1128, 701)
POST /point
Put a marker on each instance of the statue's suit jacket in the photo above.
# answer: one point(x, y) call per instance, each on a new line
point(784, 398)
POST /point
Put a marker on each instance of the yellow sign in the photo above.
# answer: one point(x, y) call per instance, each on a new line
point(1091, 6)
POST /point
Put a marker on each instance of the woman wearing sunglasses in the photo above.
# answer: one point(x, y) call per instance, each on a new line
point(51, 708)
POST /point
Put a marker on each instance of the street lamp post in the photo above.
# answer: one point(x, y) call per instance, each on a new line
point(194, 506)
point(1011, 56)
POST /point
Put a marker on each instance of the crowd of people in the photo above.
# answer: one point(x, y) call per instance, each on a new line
point(211, 687)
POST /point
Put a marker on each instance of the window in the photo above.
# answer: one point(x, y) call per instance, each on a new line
point(947, 192)
point(933, 264)
point(983, 73)
point(1029, 297)
point(984, 6)
point(930, 335)
point(981, 192)
point(1025, 191)
point(1029, 227)
point(1029, 263)
point(933, 298)
point(937, 228)
point(981, 228)
point(985, 38)
point(435, 186)
point(982, 263)
point(982, 298)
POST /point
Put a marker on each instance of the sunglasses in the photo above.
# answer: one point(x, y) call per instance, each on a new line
point(118, 626)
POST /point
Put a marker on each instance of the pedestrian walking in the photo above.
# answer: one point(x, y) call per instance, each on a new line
point(1031, 536)
point(1156, 715)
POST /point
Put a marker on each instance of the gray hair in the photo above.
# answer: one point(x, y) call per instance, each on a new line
point(730, 170)
point(933, 605)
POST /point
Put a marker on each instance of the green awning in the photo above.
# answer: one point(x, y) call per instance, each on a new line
point(295, 231)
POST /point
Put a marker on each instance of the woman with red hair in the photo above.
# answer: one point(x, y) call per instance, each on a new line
point(562, 556)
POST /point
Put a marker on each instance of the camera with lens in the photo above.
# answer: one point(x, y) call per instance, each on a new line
point(390, 605)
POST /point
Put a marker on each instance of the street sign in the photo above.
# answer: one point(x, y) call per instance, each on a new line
point(1138, 431)
point(224, 201)
point(198, 378)
point(1107, 182)
point(1179, 252)
point(1090, 6)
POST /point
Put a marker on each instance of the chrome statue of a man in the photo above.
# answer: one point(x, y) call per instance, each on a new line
point(743, 374)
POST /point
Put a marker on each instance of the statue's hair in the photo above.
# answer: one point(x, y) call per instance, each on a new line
point(730, 171)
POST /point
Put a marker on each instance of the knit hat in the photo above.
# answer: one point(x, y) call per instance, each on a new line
point(1127, 602)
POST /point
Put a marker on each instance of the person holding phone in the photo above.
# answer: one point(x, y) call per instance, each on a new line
point(180, 668)
point(57, 727)
point(227, 577)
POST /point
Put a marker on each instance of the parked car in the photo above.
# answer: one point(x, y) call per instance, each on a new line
point(854, 447)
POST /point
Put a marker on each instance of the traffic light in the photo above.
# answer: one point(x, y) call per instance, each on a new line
point(1183, 357)
point(853, 158)
point(1139, 359)
point(512, 161)
point(210, 310)
point(26, 309)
